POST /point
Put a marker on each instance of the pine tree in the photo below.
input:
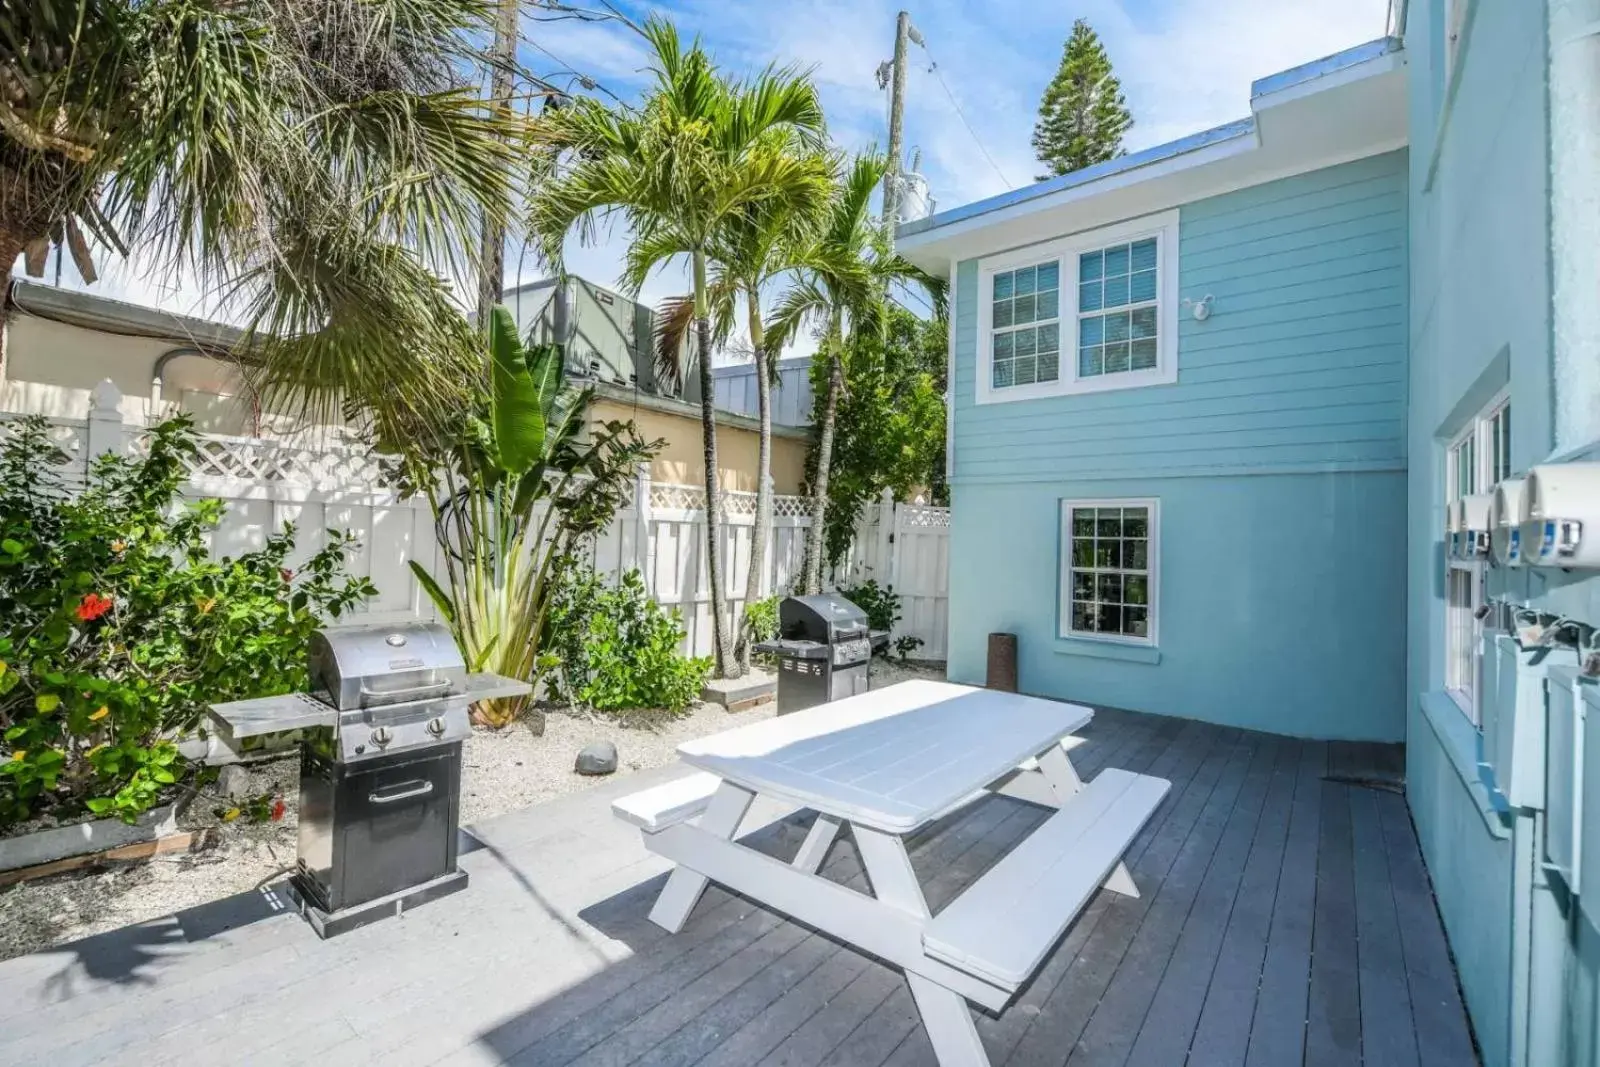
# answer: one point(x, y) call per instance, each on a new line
point(1083, 116)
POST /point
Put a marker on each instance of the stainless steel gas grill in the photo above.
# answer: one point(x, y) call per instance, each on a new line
point(824, 650)
point(380, 767)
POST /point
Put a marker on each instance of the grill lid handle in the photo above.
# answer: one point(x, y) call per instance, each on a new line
point(408, 692)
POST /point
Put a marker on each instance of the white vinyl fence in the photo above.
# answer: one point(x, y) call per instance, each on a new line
point(660, 532)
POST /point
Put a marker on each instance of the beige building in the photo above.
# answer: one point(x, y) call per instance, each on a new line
point(61, 343)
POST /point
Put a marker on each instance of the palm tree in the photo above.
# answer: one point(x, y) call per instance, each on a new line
point(318, 162)
point(843, 276)
point(755, 247)
point(699, 151)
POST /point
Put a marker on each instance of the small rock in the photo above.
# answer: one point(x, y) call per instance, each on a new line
point(598, 758)
point(234, 782)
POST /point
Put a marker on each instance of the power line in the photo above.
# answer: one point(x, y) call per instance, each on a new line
point(933, 68)
point(583, 79)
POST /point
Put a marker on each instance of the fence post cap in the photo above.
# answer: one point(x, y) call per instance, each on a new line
point(104, 398)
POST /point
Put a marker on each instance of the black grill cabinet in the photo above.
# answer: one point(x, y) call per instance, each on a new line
point(824, 651)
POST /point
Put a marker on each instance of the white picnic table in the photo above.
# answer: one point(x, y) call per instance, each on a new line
point(889, 762)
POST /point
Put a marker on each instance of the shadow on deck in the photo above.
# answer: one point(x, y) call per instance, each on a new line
point(1285, 918)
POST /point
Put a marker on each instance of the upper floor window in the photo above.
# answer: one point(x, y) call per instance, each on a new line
point(1475, 460)
point(1119, 329)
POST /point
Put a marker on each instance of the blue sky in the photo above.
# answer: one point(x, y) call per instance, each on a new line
point(1185, 65)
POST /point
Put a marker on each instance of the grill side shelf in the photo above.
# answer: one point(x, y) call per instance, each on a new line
point(273, 715)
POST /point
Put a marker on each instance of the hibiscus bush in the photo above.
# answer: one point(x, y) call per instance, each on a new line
point(117, 627)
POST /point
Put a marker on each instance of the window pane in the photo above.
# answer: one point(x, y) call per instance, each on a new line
point(1083, 617)
point(1002, 313)
point(1090, 265)
point(1023, 310)
point(1025, 372)
point(1109, 588)
point(1083, 522)
point(1089, 296)
point(1144, 355)
point(1083, 553)
point(1117, 358)
point(1117, 326)
point(1049, 338)
point(1144, 254)
point(1116, 292)
point(1108, 619)
point(1082, 585)
point(1135, 522)
point(1136, 555)
point(1049, 366)
point(1047, 305)
point(1025, 278)
point(1004, 285)
point(1116, 261)
point(1109, 522)
point(1135, 589)
point(1091, 361)
point(1023, 343)
point(1002, 375)
point(1091, 331)
point(1048, 276)
point(1002, 346)
point(1144, 323)
point(1136, 622)
point(1143, 286)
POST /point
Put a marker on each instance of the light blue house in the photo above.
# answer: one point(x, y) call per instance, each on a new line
point(1219, 408)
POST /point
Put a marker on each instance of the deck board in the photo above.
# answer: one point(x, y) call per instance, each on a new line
point(1285, 917)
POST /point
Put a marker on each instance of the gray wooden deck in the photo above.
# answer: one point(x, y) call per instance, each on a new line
point(1285, 919)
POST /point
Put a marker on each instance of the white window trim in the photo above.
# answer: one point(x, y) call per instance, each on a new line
point(1064, 629)
point(1065, 250)
point(1480, 430)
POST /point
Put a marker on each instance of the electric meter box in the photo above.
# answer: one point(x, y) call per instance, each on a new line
point(1472, 526)
point(1568, 697)
point(1560, 505)
point(1505, 523)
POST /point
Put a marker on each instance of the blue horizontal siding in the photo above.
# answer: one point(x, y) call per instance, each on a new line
point(1301, 367)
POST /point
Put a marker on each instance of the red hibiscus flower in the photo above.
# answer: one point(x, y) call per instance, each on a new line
point(278, 808)
point(285, 573)
point(93, 606)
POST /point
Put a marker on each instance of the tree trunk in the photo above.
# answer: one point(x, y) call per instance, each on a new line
point(502, 59)
point(816, 538)
point(758, 535)
point(708, 425)
point(11, 247)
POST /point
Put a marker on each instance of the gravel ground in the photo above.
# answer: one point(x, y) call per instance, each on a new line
point(503, 771)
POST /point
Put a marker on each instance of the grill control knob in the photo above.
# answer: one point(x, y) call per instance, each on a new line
point(381, 735)
point(436, 727)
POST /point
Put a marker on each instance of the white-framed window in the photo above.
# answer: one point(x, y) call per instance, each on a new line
point(1086, 313)
point(1110, 569)
point(1475, 459)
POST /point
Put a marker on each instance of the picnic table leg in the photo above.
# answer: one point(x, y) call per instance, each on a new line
point(944, 1012)
point(682, 891)
point(815, 847)
point(1063, 778)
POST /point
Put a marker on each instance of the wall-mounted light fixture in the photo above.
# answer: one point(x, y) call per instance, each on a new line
point(1200, 309)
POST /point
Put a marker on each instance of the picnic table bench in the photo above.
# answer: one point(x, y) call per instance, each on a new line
point(890, 762)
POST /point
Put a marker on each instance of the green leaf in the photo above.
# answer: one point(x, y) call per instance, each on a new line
point(99, 805)
point(164, 776)
point(46, 702)
point(12, 547)
point(435, 593)
point(516, 401)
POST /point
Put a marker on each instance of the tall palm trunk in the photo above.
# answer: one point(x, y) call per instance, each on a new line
point(708, 425)
point(816, 538)
point(758, 536)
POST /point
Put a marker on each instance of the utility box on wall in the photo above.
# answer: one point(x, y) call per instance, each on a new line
point(1569, 698)
point(1514, 717)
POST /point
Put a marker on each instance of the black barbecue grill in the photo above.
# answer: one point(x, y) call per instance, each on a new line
point(824, 650)
point(380, 767)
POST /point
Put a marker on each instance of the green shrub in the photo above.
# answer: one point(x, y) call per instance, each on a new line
point(618, 648)
point(117, 628)
point(880, 602)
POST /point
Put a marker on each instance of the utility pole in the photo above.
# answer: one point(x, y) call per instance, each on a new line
point(903, 32)
point(502, 70)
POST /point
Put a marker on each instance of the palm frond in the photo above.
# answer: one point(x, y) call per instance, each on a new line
point(674, 319)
